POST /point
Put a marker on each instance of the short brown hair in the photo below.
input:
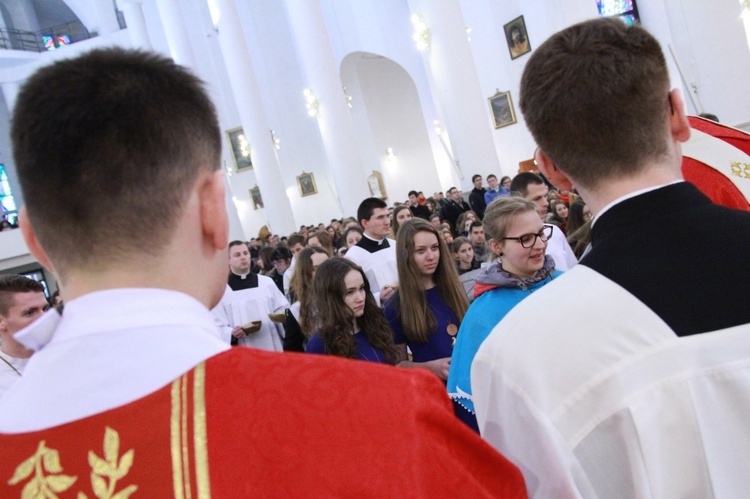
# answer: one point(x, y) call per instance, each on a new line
point(11, 284)
point(594, 96)
point(108, 153)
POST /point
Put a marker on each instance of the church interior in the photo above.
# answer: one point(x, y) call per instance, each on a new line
point(327, 102)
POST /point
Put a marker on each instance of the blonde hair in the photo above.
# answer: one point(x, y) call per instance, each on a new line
point(499, 214)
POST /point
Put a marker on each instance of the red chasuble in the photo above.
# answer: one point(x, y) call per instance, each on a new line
point(710, 179)
point(248, 423)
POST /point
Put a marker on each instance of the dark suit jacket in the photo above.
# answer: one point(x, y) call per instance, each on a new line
point(682, 256)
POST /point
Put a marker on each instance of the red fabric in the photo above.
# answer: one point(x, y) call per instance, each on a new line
point(711, 182)
point(480, 288)
point(287, 425)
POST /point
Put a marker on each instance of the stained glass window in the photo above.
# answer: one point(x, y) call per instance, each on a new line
point(7, 203)
point(627, 10)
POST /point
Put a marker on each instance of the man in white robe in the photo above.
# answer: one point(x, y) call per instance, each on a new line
point(375, 252)
point(629, 376)
point(250, 297)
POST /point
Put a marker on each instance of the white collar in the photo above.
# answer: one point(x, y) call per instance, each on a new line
point(116, 309)
point(379, 241)
point(631, 195)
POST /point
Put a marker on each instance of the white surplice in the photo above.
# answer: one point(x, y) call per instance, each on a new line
point(607, 401)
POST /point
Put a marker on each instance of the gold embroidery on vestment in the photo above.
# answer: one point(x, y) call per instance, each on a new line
point(174, 428)
point(184, 436)
point(43, 460)
point(199, 432)
point(104, 472)
point(111, 467)
point(741, 170)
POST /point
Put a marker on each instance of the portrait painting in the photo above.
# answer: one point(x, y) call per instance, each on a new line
point(306, 183)
point(240, 149)
point(256, 197)
point(501, 107)
point(517, 37)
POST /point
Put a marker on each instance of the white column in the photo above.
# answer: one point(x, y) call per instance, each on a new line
point(10, 92)
point(249, 103)
point(178, 38)
point(134, 18)
point(336, 125)
point(453, 76)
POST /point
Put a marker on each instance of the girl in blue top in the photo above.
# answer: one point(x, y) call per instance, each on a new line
point(349, 322)
point(518, 241)
point(426, 310)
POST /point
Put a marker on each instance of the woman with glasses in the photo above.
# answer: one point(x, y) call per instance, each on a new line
point(517, 239)
point(426, 310)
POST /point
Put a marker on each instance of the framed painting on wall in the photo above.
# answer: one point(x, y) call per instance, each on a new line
point(501, 107)
point(256, 197)
point(518, 39)
point(306, 183)
point(240, 149)
point(375, 183)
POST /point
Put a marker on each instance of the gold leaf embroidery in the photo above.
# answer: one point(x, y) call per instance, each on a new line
point(23, 471)
point(125, 493)
point(44, 485)
point(60, 483)
point(110, 468)
point(740, 169)
point(111, 445)
point(52, 461)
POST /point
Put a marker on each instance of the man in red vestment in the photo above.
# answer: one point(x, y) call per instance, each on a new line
point(130, 390)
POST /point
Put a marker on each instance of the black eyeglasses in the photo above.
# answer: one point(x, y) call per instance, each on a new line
point(529, 240)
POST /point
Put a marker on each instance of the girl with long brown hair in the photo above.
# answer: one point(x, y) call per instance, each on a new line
point(307, 262)
point(349, 322)
point(426, 310)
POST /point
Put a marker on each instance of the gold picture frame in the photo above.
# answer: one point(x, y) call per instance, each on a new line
point(501, 108)
point(375, 184)
point(256, 197)
point(240, 149)
point(306, 184)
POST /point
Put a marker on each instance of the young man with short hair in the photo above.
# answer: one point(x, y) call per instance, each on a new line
point(629, 375)
point(131, 384)
point(453, 208)
point(476, 196)
point(417, 210)
point(375, 252)
point(22, 301)
point(476, 236)
point(493, 191)
point(249, 297)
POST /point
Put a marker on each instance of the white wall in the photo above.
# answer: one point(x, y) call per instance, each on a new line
point(708, 37)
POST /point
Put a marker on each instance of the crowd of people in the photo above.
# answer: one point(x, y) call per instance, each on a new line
point(458, 338)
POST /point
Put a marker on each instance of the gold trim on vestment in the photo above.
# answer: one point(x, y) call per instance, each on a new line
point(199, 432)
point(184, 435)
point(175, 441)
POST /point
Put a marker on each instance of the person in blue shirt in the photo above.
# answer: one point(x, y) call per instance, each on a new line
point(518, 241)
point(349, 322)
point(429, 304)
